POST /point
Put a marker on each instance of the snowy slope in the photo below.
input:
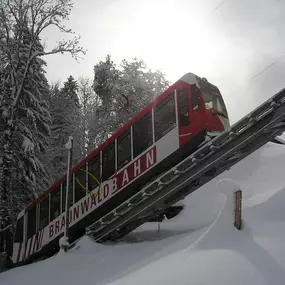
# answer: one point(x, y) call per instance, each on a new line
point(200, 246)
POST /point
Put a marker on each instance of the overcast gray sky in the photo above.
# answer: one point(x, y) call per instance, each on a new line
point(228, 45)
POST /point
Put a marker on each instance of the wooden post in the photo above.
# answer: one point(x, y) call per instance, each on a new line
point(238, 209)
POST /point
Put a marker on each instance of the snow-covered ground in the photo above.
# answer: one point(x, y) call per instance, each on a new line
point(199, 246)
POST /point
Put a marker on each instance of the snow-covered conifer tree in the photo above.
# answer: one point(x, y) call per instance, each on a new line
point(57, 159)
point(69, 95)
point(23, 111)
point(88, 107)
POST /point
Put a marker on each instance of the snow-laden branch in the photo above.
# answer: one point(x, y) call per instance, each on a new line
point(26, 20)
point(71, 46)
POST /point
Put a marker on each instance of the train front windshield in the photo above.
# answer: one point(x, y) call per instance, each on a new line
point(212, 98)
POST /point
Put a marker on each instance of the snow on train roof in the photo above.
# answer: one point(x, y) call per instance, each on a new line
point(189, 78)
point(192, 78)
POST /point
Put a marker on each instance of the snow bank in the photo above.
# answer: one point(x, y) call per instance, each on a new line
point(228, 255)
point(199, 246)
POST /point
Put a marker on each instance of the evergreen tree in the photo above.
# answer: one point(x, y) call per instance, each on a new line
point(25, 143)
point(69, 94)
point(31, 123)
point(24, 118)
point(95, 116)
point(64, 108)
point(69, 91)
point(57, 159)
point(87, 99)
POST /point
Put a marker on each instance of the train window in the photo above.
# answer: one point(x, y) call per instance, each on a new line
point(196, 100)
point(55, 204)
point(108, 161)
point(164, 117)
point(80, 184)
point(142, 133)
point(213, 103)
point(183, 107)
point(44, 213)
point(94, 172)
point(32, 222)
point(124, 149)
point(212, 98)
point(19, 233)
point(63, 195)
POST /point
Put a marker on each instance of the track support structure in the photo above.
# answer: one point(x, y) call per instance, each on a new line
point(214, 157)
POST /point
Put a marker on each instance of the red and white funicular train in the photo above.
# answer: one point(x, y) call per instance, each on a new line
point(161, 135)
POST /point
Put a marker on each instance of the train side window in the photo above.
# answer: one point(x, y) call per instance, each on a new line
point(164, 117)
point(55, 204)
point(183, 107)
point(80, 184)
point(94, 170)
point(108, 161)
point(63, 194)
point(142, 133)
point(32, 222)
point(196, 100)
point(19, 233)
point(44, 213)
point(124, 149)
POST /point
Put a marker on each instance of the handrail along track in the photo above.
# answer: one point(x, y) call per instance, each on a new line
point(247, 135)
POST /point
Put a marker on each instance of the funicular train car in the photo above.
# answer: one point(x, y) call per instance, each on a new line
point(161, 135)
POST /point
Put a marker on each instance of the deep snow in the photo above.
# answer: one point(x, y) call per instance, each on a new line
point(199, 246)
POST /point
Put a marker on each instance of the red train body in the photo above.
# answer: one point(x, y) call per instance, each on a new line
point(161, 135)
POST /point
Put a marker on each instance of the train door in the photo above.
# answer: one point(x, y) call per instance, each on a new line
point(189, 117)
point(196, 111)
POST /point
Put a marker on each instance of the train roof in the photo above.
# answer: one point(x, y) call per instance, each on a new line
point(188, 78)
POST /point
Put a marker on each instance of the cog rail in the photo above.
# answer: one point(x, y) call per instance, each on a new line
point(214, 157)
